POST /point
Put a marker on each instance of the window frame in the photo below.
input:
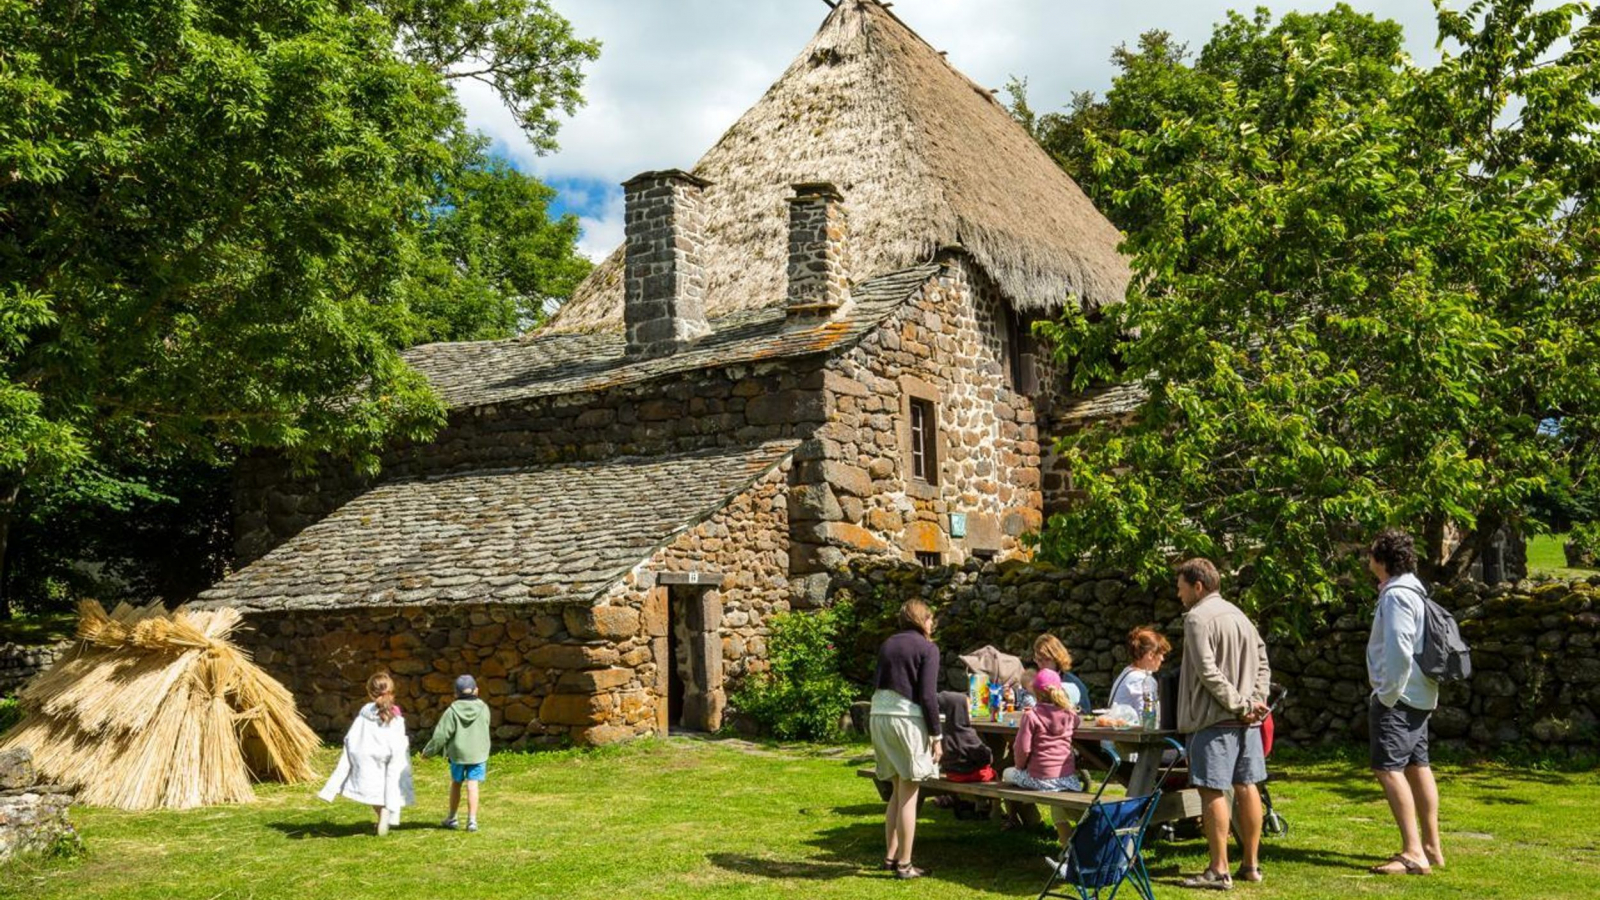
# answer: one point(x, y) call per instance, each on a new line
point(934, 441)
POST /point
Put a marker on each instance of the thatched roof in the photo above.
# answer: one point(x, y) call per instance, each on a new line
point(925, 158)
point(479, 373)
point(557, 533)
point(155, 709)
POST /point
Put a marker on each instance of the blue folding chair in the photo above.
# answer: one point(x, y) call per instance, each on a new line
point(1106, 847)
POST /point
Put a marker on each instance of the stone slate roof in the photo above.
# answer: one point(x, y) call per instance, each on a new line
point(1101, 404)
point(478, 373)
point(562, 532)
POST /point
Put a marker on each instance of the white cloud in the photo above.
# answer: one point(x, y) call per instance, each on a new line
point(602, 232)
point(673, 75)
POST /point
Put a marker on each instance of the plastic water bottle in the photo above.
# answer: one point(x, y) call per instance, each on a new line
point(1147, 716)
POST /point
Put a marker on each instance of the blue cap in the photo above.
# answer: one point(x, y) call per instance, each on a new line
point(466, 684)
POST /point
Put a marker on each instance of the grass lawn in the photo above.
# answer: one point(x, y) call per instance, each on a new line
point(685, 818)
point(46, 629)
point(1545, 557)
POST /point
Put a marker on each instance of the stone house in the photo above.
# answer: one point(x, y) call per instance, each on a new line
point(813, 346)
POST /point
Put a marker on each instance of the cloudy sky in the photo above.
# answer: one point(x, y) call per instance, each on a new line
point(674, 74)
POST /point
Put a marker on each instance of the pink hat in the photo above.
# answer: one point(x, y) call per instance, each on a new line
point(1046, 679)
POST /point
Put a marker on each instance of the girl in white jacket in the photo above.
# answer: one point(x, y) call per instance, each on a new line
point(375, 767)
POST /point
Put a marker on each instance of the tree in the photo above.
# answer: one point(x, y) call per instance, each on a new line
point(1362, 293)
point(489, 259)
point(214, 217)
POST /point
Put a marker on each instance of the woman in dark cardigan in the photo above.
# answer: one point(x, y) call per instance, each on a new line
point(905, 728)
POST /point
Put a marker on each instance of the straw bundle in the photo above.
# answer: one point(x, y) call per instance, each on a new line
point(156, 709)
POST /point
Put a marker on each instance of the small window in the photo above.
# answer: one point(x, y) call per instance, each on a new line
point(924, 442)
point(930, 559)
point(1018, 351)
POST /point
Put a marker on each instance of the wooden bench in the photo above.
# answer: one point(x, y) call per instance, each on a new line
point(1173, 805)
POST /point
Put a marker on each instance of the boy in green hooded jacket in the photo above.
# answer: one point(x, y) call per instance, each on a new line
point(462, 735)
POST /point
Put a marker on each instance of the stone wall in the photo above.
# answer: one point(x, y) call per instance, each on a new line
point(1536, 647)
point(947, 347)
point(33, 818)
point(738, 405)
point(525, 657)
point(20, 662)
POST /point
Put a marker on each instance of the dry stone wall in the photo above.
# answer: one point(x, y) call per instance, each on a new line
point(20, 662)
point(33, 817)
point(1536, 647)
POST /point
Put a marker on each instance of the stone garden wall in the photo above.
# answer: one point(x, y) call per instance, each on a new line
point(20, 662)
point(33, 817)
point(1536, 647)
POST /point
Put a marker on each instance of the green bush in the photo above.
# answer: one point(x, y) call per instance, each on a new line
point(1584, 544)
point(803, 696)
point(10, 713)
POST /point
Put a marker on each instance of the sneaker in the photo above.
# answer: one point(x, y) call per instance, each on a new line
point(472, 825)
point(450, 823)
point(1060, 867)
point(1210, 881)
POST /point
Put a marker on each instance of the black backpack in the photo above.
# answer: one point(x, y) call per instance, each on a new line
point(1443, 656)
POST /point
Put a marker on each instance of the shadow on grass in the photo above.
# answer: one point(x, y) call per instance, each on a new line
point(302, 830)
point(975, 855)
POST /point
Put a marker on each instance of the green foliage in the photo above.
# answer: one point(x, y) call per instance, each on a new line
point(147, 530)
point(522, 48)
point(222, 221)
point(489, 260)
point(1361, 295)
point(10, 713)
point(1586, 537)
point(803, 696)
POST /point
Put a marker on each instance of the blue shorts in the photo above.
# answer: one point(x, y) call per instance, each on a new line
point(1221, 756)
point(465, 772)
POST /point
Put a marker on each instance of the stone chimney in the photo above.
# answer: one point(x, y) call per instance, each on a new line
point(662, 281)
point(819, 282)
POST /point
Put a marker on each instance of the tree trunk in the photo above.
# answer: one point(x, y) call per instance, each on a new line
point(1472, 545)
point(1433, 558)
point(8, 506)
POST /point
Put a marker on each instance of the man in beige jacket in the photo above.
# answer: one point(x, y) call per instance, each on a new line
point(1221, 703)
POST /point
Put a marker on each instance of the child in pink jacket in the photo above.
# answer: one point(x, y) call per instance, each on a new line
point(1042, 751)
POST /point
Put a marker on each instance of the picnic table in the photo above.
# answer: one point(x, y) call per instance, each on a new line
point(1174, 805)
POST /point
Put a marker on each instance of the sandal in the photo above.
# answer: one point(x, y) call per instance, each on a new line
point(908, 871)
point(1251, 874)
point(889, 865)
point(1209, 881)
point(1398, 864)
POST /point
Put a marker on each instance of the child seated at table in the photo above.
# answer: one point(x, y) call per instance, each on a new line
point(965, 758)
point(1042, 750)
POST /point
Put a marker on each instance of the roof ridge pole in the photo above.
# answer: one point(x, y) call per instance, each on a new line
point(819, 274)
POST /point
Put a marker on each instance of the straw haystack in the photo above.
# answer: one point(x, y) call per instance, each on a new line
point(156, 709)
point(924, 157)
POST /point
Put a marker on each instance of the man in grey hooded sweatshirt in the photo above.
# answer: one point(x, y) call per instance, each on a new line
point(1402, 700)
